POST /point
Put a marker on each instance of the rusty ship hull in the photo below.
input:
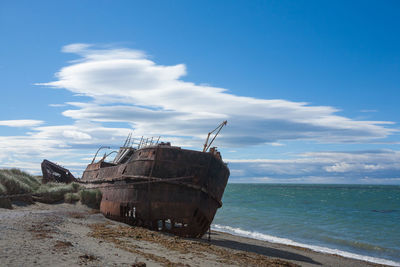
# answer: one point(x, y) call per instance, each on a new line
point(162, 187)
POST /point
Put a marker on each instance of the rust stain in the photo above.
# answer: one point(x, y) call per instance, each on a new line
point(161, 187)
point(55, 173)
point(156, 185)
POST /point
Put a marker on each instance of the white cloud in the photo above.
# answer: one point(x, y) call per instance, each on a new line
point(75, 48)
point(57, 105)
point(276, 144)
point(128, 87)
point(135, 93)
point(77, 135)
point(67, 144)
point(20, 123)
point(340, 167)
point(328, 167)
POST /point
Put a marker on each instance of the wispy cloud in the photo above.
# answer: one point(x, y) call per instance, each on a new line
point(21, 123)
point(126, 86)
point(57, 105)
point(67, 144)
point(322, 167)
point(128, 89)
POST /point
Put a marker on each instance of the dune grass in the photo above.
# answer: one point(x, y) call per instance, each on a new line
point(3, 189)
point(4, 202)
point(71, 197)
point(55, 192)
point(14, 181)
point(91, 197)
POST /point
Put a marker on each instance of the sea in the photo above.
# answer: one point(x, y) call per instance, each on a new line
point(355, 221)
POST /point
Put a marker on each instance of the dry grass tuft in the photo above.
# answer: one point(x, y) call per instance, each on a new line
point(62, 245)
point(110, 234)
point(86, 258)
point(77, 215)
point(119, 234)
point(94, 211)
point(41, 231)
point(138, 264)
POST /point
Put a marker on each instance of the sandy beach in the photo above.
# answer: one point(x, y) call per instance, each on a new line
point(73, 234)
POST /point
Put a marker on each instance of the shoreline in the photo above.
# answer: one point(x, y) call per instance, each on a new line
point(290, 243)
point(305, 256)
point(73, 235)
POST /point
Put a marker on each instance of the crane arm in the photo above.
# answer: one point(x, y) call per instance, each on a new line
point(219, 128)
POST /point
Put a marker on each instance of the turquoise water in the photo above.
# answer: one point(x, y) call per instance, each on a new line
point(359, 221)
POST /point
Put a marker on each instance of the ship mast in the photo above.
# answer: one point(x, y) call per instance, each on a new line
point(219, 127)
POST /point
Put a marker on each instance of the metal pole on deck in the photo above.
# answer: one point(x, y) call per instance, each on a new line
point(140, 143)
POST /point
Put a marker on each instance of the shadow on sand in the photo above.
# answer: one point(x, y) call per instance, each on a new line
point(217, 240)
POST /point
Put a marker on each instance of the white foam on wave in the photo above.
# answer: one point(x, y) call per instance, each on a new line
point(285, 241)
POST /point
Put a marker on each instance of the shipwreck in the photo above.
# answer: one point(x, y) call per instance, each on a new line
point(157, 185)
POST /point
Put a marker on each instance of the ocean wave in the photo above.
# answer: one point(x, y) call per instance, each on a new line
point(285, 241)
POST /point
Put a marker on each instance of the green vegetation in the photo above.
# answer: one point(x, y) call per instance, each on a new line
point(4, 202)
point(3, 189)
point(54, 192)
point(91, 197)
point(15, 181)
point(71, 197)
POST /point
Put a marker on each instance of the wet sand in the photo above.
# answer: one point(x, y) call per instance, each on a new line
point(74, 235)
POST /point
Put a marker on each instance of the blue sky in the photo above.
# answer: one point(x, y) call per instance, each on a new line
point(310, 89)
